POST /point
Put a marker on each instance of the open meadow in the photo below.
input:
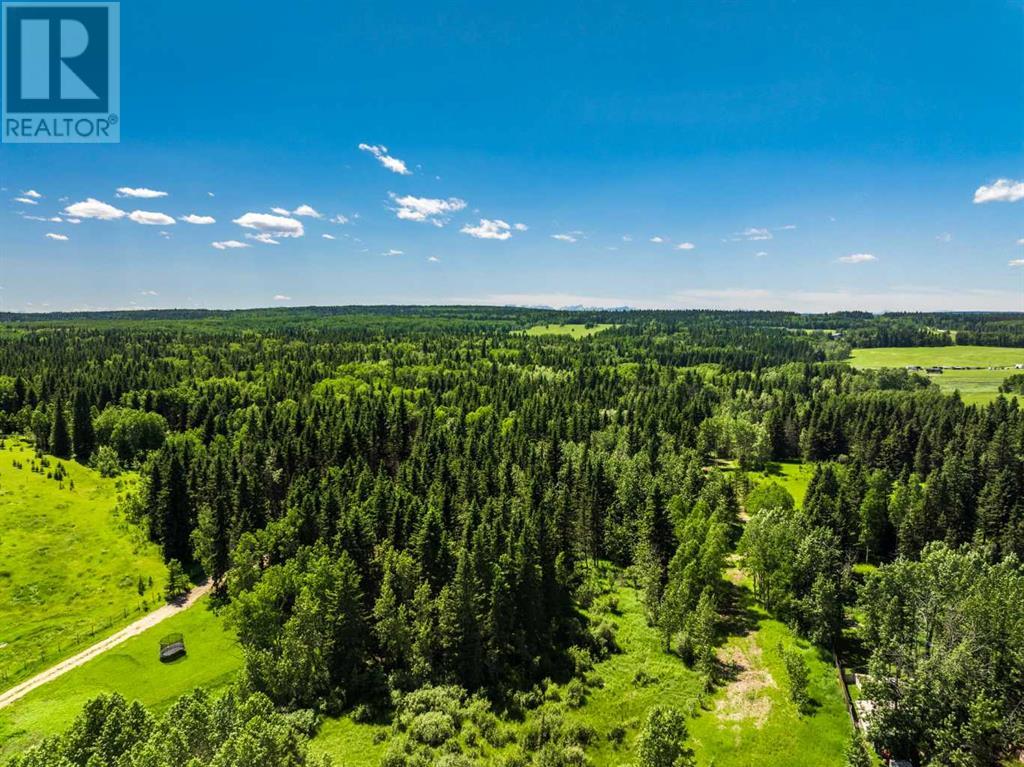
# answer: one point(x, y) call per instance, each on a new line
point(71, 570)
point(574, 330)
point(132, 669)
point(975, 386)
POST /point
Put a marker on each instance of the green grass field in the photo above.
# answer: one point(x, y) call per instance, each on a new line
point(69, 566)
point(569, 329)
point(792, 475)
point(975, 386)
point(134, 670)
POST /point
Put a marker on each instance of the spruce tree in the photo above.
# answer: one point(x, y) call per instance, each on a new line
point(82, 434)
point(60, 438)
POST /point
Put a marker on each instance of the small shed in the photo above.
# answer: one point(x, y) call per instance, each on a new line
point(172, 647)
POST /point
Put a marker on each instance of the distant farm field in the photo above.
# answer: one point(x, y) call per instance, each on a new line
point(569, 329)
point(975, 386)
point(70, 568)
point(132, 669)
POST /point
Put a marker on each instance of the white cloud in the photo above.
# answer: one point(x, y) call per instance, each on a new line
point(73, 220)
point(127, 191)
point(392, 252)
point(150, 218)
point(1017, 262)
point(488, 230)
point(328, 236)
point(281, 297)
point(149, 293)
point(564, 237)
point(229, 244)
point(265, 237)
point(685, 246)
point(1020, 241)
point(520, 227)
point(338, 219)
point(26, 200)
point(761, 254)
point(627, 238)
point(657, 240)
point(1003, 190)
point(429, 209)
point(32, 193)
point(785, 227)
point(281, 211)
point(944, 237)
point(433, 259)
point(393, 164)
point(193, 218)
point(306, 210)
point(754, 233)
point(276, 226)
point(165, 235)
point(93, 208)
point(857, 258)
point(58, 237)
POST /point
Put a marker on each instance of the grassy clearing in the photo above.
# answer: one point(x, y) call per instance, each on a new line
point(69, 566)
point(747, 720)
point(975, 386)
point(132, 669)
point(567, 329)
point(792, 475)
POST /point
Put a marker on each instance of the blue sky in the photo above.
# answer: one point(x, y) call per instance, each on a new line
point(801, 155)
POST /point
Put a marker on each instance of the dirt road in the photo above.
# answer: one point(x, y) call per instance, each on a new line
point(133, 629)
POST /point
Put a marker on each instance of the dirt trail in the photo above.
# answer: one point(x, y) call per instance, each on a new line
point(129, 631)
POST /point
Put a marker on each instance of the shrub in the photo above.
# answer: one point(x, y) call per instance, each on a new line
point(432, 728)
point(796, 670)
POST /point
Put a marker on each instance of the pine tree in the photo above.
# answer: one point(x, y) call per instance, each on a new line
point(82, 434)
point(60, 437)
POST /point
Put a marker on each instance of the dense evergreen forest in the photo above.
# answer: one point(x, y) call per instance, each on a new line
point(394, 499)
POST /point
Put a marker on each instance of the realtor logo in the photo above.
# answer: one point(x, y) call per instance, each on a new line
point(61, 78)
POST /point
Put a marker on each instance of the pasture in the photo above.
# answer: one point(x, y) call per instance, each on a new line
point(573, 330)
point(71, 570)
point(975, 386)
point(132, 669)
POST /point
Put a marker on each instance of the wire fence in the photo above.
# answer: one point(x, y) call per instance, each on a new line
point(67, 644)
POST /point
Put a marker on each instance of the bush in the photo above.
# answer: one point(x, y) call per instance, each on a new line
point(796, 670)
point(617, 734)
point(661, 742)
point(603, 636)
point(432, 728)
point(575, 693)
point(642, 679)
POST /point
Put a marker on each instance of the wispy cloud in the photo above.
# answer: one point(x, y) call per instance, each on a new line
point(58, 237)
point(754, 233)
point(127, 191)
point(328, 236)
point(685, 246)
point(489, 230)
point(857, 258)
point(392, 252)
point(426, 209)
point(944, 237)
point(1003, 190)
point(1017, 262)
point(520, 227)
point(26, 200)
point(433, 259)
point(150, 218)
point(275, 226)
point(282, 297)
point(657, 240)
point(229, 244)
point(265, 237)
point(393, 164)
point(567, 236)
point(149, 293)
point(93, 208)
point(338, 219)
point(193, 218)
point(32, 193)
point(306, 210)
